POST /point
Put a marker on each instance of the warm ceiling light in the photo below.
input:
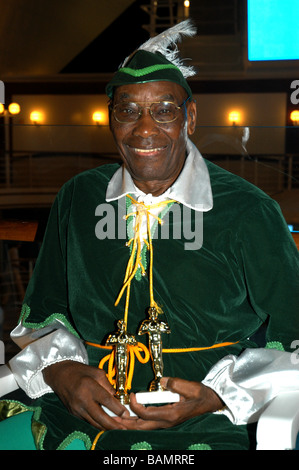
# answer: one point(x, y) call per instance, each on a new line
point(2, 108)
point(186, 8)
point(295, 117)
point(14, 108)
point(234, 117)
point(36, 117)
point(98, 117)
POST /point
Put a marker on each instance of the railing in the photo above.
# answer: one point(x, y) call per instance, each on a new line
point(45, 169)
point(37, 160)
point(50, 170)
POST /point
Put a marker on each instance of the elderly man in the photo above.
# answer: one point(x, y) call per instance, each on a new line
point(213, 298)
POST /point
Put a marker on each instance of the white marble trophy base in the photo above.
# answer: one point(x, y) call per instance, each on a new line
point(158, 397)
point(150, 398)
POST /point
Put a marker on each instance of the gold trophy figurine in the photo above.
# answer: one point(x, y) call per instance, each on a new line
point(154, 328)
point(120, 341)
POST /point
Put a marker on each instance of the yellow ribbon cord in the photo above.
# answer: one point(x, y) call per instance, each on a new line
point(132, 266)
point(164, 350)
point(134, 350)
point(96, 440)
point(214, 346)
point(135, 258)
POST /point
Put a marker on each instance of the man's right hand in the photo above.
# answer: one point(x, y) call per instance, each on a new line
point(83, 389)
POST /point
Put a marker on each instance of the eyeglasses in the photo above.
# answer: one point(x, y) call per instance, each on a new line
point(161, 111)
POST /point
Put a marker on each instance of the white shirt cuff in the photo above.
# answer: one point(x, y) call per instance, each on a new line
point(247, 383)
point(27, 365)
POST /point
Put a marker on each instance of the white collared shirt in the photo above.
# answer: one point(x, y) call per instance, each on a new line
point(192, 188)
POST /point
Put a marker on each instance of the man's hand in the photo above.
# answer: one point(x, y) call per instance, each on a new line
point(83, 389)
point(196, 399)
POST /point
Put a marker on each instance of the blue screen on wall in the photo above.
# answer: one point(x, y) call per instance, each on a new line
point(273, 30)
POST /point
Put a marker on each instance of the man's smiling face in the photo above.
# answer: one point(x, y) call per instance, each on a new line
point(154, 153)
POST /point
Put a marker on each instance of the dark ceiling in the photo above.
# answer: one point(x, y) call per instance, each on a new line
point(47, 37)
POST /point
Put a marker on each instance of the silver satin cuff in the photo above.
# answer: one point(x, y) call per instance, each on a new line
point(23, 336)
point(249, 382)
point(28, 364)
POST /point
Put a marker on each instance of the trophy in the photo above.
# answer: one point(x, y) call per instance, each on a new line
point(154, 328)
point(120, 341)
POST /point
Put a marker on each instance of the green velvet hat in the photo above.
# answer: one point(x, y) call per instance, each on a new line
point(156, 60)
point(147, 67)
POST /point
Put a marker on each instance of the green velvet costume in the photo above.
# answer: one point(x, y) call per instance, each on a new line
point(245, 272)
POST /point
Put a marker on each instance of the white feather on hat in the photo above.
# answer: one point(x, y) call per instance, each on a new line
point(166, 44)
